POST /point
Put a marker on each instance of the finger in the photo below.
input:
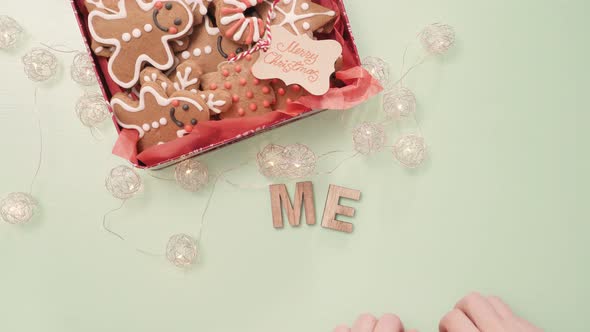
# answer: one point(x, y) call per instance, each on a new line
point(456, 321)
point(389, 323)
point(342, 328)
point(526, 326)
point(365, 323)
point(480, 312)
point(501, 307)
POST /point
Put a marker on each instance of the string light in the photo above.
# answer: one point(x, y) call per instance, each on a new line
point(437, 38)
point(191, 175)
point(10, 32)
point(399, 102)
point(410, 150)
point(92, 109)
point(40, 65)
point(123, 182)
point(82, 69)
point(379, 69)
point(368, 138)
point(182, 250)
point(18, 208)
point(269, 160)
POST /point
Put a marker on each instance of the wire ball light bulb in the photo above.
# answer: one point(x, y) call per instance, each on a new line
point(40, 65)
point(18, 208)
point(182, 250)
point(82, 69)
point(437, 38)
point(191, 175)
point(123, 182)
point(92, 109)
point(410, 151)
point(368, 138)
point(10, 32)
point(399, 102)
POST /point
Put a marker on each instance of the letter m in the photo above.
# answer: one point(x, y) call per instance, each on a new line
point(279, 198)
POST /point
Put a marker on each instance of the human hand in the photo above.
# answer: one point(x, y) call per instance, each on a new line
point(476, 313)
point(368, 323)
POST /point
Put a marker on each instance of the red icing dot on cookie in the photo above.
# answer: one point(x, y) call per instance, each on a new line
point(275, 81)
point(175, 103)
point(266, 90)
point(213, 86)
point(296, 88)
point(253, 107)
point(231, 55)
point(249, 57)
point(243, 81)
point(241, 112)
point(281, 92)
point(225, 72)
point(289, 100)
point(227, 85)
point(159, 5)
point(188, 128)
point(235, 98)
point(238, 69)
point(266, 103)
point(256, 81)
point(250, 94)
point(172, 30)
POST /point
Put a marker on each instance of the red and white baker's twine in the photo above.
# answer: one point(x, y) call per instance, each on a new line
point(262, 44)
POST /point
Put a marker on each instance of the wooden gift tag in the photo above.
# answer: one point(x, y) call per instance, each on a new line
point(298, 60)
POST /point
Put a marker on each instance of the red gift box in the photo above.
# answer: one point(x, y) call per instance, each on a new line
point(356, 87)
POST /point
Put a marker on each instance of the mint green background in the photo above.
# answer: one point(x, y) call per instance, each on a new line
point(499, 207)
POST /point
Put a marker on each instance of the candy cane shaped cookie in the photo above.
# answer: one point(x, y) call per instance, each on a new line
point(233, 23)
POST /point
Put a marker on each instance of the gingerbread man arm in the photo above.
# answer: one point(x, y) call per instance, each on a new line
point(133, 114)
point(153, 75)
point(187, 76)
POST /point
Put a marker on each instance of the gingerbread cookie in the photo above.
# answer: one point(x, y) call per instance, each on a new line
point(186, 77)
point(299, 16)
point(209, 48)
point(286, 94)
point(231, 19)
point(200, 9)
point(159, 118)
point(250, 96)
point(140, 33)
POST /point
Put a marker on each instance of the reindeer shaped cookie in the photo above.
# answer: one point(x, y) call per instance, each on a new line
point(139, 32)
point(166, 109)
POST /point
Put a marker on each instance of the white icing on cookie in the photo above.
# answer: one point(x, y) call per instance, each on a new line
point(162, 101)
point(291, 18)
point(121, 15)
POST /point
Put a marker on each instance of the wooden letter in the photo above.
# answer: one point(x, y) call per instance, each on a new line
point(303, 194)
point(334, 208)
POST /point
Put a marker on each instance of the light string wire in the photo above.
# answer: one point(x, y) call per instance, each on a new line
point(40, 128)
point(107, 227)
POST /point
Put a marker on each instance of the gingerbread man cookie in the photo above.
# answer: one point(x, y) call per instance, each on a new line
point(209, 48)
point(231, 19)
point(140, 33)
point(200, 9)
point(186, 77)
point(159, 118)
point(299, 16)
point(250, 96)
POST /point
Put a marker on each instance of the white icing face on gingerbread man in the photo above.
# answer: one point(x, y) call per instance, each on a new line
point(140, 33)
